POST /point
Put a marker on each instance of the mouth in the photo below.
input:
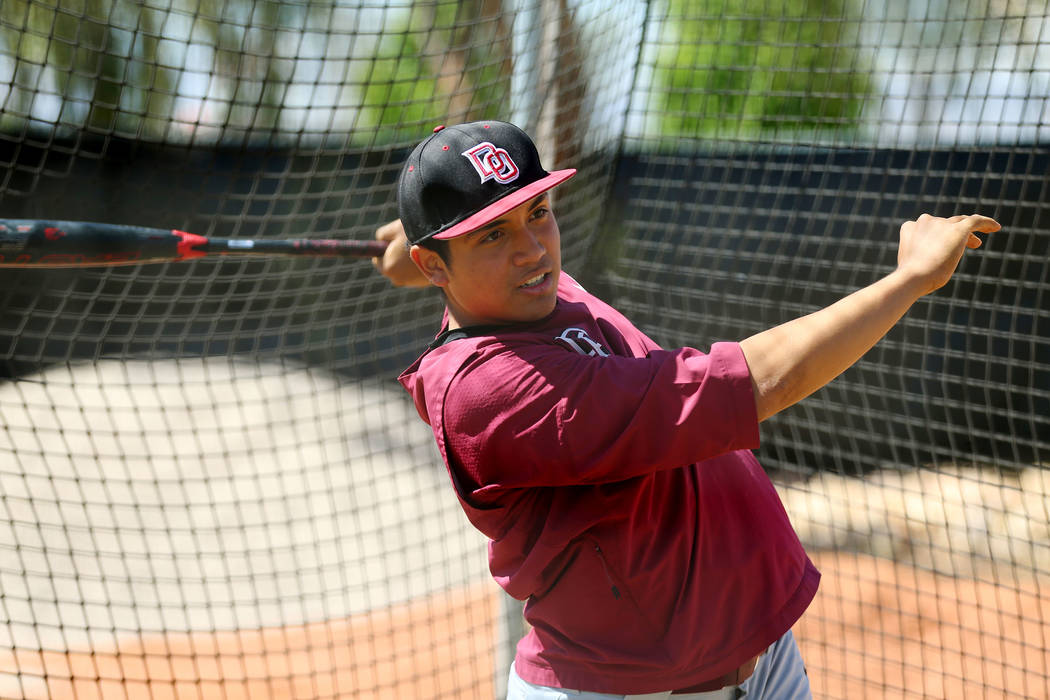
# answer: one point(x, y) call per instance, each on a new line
point(536, 281)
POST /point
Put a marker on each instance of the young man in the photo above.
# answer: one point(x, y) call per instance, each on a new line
point(614, 479)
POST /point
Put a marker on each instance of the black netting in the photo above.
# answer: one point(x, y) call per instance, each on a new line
point(211, 486)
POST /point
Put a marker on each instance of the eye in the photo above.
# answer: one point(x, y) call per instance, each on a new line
point(539, 212)
point(493, 235)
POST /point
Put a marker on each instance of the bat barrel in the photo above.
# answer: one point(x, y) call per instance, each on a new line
point(46, 243)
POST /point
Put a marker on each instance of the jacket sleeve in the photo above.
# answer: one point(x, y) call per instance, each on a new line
point(541, 416)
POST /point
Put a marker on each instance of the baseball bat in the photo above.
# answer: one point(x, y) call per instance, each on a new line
point(41, 243)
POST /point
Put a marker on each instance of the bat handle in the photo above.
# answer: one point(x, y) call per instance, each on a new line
point(357, 249)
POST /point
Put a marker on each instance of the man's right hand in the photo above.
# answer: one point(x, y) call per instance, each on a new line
point(396, 264)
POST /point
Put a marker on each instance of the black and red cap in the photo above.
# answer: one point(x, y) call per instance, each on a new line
point(464, 176)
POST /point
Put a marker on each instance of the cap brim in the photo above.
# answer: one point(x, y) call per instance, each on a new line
point(504, 204)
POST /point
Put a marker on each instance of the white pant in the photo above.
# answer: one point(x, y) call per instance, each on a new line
point(779, 675)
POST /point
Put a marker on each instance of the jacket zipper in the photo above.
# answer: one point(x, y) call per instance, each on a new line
point(618, 595)
point(608, 574)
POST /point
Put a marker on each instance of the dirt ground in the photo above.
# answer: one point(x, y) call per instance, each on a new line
point(439, 647)
point(883, 630)
point(876, 630)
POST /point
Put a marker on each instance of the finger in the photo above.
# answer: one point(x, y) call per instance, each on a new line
point(983, 224)
point(973, 242)
point(377, 261)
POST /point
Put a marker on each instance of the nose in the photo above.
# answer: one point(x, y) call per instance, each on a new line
point(530, 247)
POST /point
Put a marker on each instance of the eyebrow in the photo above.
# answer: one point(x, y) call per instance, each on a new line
point(500, 222)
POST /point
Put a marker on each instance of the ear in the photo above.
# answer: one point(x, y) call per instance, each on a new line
point(430, 264)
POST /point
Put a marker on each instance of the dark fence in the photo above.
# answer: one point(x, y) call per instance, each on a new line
point(718, 246)
point(695, 247)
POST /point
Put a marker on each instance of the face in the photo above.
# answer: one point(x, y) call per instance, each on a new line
point(504, 272)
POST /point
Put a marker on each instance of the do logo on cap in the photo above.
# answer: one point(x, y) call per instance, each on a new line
point(492, 163)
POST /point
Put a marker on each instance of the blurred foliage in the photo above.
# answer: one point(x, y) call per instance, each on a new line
point(121, 66)
point(82, 62)
point(366, 73)
point(448, 61)
point(746, 68)
point(230, 70)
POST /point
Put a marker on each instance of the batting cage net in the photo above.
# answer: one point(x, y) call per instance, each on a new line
point(211, 485)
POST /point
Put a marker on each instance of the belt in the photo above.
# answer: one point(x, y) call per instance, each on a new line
point(734, 677)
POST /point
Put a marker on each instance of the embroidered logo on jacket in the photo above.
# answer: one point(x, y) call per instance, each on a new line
point(578, 340)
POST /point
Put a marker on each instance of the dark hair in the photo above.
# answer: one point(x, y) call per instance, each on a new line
point(439, 246)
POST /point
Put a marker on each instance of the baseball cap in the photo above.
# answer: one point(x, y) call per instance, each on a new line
point(462, 177)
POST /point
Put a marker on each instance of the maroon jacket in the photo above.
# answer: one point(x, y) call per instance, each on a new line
point(614, 482)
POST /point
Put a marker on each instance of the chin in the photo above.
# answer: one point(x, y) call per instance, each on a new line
point(544, 310)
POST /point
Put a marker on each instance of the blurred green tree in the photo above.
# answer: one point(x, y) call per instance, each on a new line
point(752, 68)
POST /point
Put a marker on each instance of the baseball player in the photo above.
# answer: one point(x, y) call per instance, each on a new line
point(614, 479)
